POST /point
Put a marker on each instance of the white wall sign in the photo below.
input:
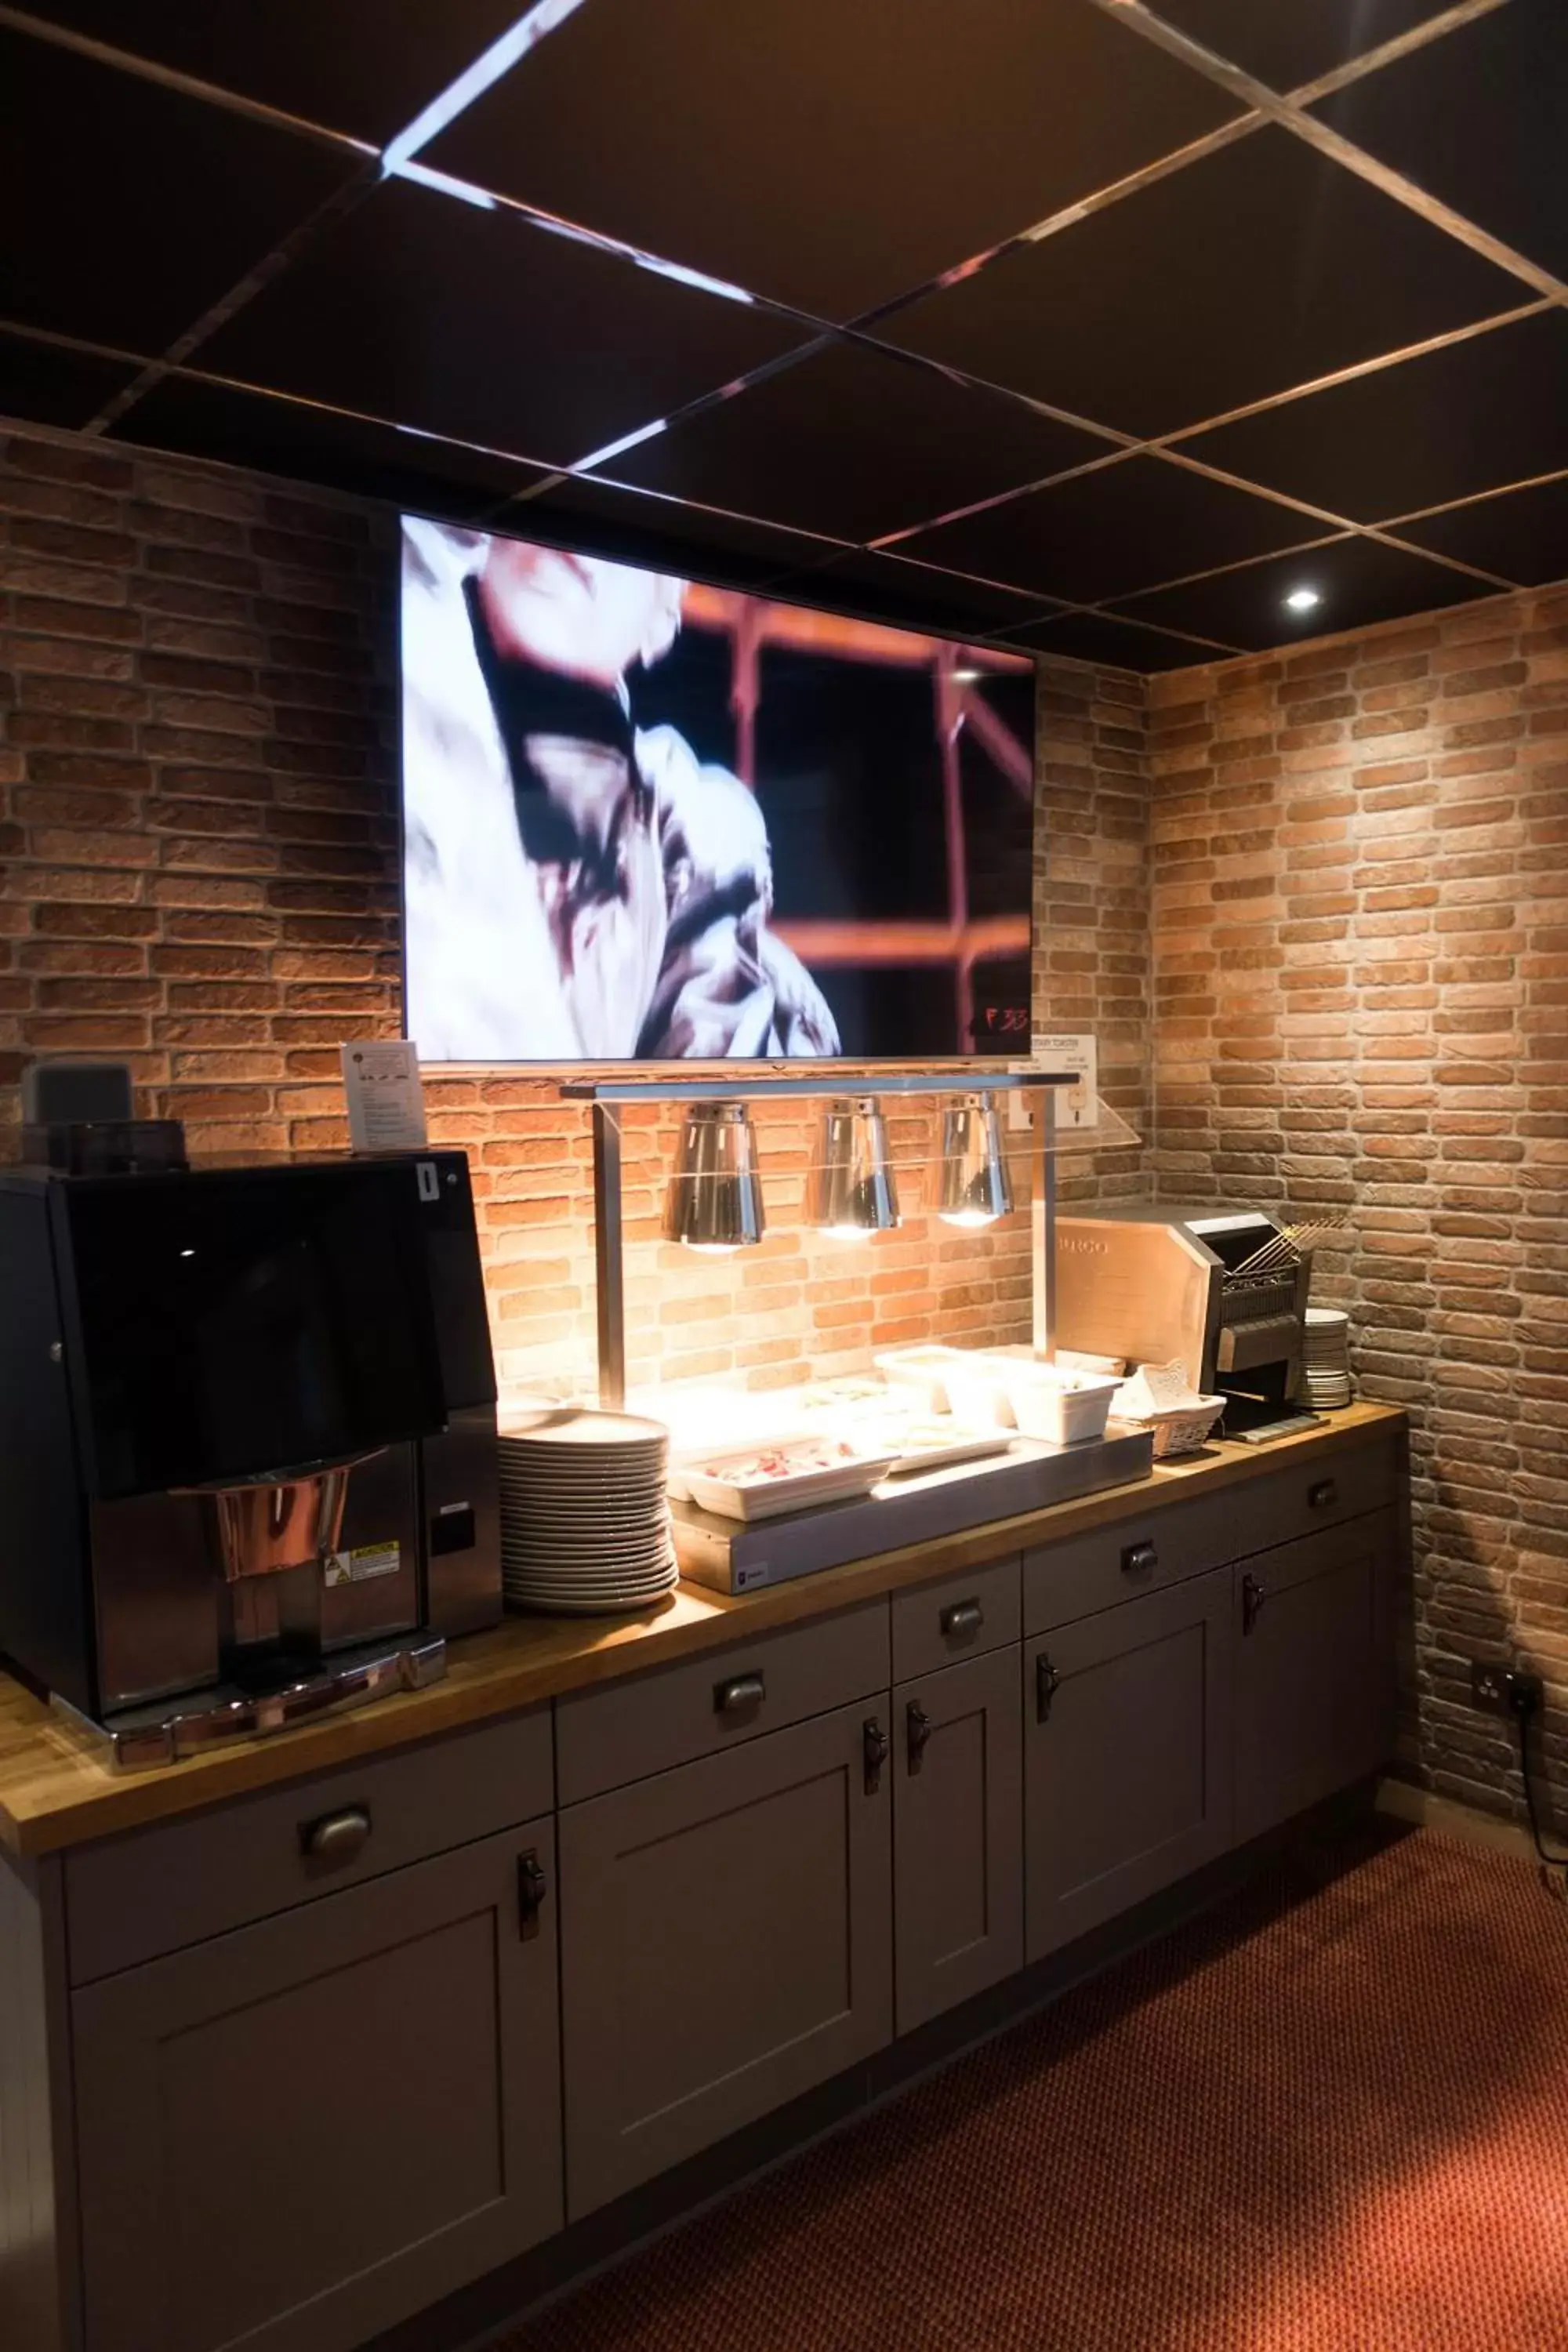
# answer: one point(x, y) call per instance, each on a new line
point(1077, 1106)
point(386, 1102)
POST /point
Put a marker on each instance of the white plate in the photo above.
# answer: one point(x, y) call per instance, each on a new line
point(627, 1595)
point(590, 1478)
point(559, 1571)
point(556, 1564)
point(586, 1510)
point(585, 1490)
point(553, 1559)
point(592, 1608)
point(629, 1577)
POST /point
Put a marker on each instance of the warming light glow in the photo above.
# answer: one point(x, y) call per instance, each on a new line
point(967, 1217)
point(1303, 600)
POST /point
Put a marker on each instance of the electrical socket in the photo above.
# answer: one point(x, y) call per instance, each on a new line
point(1500, 1690)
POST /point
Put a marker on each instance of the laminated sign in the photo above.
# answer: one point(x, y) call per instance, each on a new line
point(386, 1102)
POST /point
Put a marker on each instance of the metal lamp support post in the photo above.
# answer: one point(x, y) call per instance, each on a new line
point(609, 1285)
point(609, 1288)
point(1043, 1221)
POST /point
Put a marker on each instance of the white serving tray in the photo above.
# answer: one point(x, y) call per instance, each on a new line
point(729, 1498)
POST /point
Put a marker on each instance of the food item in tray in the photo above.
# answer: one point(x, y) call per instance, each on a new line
point(793, 1461)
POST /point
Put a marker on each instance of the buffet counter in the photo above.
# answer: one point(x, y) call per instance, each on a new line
point(54, 1794)
point(617, 1910)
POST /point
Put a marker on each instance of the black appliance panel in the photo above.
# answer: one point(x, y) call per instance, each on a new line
point(457, 1279)
point(235, 1323)
point(45, 1615)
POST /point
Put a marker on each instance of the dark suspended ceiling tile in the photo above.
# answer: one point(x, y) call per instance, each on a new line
point(128, 209)
point(1133, 316)
point(1358, 582)
point(856, 443)
point(1522, 534)
point(46, 384)
point(630, 526)
point(827, 155)
point(274, 435)
point(1287, 42)
point(1125, 645)
point(1474, 416)
point(365, 67)
point(911, 596)
point(1477, 118)
point(478, 324)
point(1126, 526)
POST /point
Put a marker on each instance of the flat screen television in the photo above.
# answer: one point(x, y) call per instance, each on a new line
point(647, 821)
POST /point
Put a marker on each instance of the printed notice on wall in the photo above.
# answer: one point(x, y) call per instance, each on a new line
point(386, 1102)
point(1077, 1106)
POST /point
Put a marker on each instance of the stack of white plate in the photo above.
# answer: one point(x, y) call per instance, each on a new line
point(1327, 1357)
point(583, 1516)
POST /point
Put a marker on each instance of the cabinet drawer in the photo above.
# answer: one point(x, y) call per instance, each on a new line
point(962, 1617)
point(160, 1889)
point(1168, 1541)
point(1172, 1540)
point(1298, 1501)
point(606, 1737)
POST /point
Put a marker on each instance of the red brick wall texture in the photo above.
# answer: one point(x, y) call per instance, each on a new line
point(1313, 905)
point(1360, 927)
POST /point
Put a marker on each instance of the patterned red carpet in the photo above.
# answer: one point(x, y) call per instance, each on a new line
point(1331, 2117)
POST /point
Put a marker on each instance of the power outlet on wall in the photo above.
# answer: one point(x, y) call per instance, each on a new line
point(1500, 1690)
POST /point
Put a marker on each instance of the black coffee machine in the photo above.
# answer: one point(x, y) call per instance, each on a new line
point(248, 1449)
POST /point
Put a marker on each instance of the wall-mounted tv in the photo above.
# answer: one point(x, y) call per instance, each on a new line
point(651, 821)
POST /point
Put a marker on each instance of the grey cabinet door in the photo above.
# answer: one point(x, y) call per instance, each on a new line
point(295, 2134)
point(958, 1833)
point(1127, 1764)
point(1314, 1657)
point(726, 1943)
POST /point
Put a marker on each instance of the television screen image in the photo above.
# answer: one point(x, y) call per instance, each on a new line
point(651, 821)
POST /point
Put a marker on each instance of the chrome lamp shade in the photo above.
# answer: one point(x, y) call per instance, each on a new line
point(715, 1199)
point(975, 1187)
point(851, 1189)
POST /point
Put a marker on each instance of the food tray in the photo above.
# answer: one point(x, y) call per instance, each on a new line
point(744, 1483)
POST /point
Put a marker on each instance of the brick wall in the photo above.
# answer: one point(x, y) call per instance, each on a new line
point(1360, 973)
point(198, 837)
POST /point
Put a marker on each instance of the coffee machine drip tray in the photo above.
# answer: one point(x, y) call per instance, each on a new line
point(198, 1721)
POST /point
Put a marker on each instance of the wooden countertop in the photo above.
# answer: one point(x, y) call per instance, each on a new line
point(54, 1792)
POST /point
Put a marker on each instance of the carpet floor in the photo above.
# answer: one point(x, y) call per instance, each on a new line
point(1330, 2116)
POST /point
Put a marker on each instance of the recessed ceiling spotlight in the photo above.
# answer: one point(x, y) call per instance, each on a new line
point(1303, 600)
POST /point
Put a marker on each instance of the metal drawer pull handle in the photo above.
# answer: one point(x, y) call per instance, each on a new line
point(1048, 1681)
point(336, 1837)
point(1138, 1559)
point(738, 1693)
point(533, 1886)
point(918, 1729)
point(874, 1749)
point(1253, 1596)
point(1323, 1496)
point(960, 1619)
